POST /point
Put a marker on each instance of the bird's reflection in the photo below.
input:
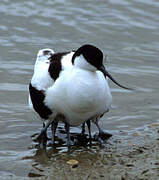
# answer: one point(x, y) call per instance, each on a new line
point(44, 156)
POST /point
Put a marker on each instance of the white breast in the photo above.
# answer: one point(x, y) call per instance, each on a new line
point(79, 95)
point(41, 78)
point(67, 61)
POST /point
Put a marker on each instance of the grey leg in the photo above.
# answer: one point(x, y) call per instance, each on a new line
point(102, 135)
point(53, 128)
point(89, 129)
point(99, 128)
point(45, 133)
point(83, 129)
point(42, 138)
point(67, 128)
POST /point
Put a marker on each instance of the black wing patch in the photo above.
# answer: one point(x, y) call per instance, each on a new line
point(55, 64)
point(37, 98)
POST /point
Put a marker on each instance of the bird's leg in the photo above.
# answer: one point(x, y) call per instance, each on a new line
point(42, 137)
point(102, 134)
point(67, 128)
point(53, 128)
point(88, 122)
point(83, 129)
point(45, 134)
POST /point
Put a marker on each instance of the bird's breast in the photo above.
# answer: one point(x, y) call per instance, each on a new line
point(88, 91)
point(79, 95)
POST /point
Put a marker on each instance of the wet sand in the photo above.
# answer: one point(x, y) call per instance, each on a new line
point(125, 156)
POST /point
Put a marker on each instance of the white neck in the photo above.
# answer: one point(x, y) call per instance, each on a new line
point(81, 62)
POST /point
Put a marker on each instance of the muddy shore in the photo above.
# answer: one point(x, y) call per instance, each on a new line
point(126, 156)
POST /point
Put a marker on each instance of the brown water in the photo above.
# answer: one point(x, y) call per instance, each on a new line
point(126, 31)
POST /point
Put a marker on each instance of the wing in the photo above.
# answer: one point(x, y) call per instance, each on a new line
point(40, 80)
point(37, 98)
point(59, 62)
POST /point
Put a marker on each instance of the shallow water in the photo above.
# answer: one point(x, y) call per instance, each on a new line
point(128, 32)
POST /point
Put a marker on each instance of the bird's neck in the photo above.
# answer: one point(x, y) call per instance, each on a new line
point(80, 62)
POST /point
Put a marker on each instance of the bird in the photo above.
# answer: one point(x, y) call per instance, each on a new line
point(43, 77)
point(80, 92)
point(40, 81)
point(70, 87)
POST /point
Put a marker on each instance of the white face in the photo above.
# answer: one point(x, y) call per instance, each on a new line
point(44, 55)
point(81, 62)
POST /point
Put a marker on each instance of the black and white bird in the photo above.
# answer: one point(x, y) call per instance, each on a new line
point(44, 76)
point(40, 81)
point(72, 87)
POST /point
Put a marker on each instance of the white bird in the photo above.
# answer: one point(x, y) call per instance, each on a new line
point(40, 81)
point(72, 86)
point(44, 77)
point(81, 92)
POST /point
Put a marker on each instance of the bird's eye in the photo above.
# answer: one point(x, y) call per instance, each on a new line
point(46, 52)
point(47, 62)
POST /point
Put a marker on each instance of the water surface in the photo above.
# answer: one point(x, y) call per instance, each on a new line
point(126, 31)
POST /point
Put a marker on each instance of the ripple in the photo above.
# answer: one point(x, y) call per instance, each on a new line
point(125, 30)
point(13, 87)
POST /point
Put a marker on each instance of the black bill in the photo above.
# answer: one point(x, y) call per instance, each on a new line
point(103, 70)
